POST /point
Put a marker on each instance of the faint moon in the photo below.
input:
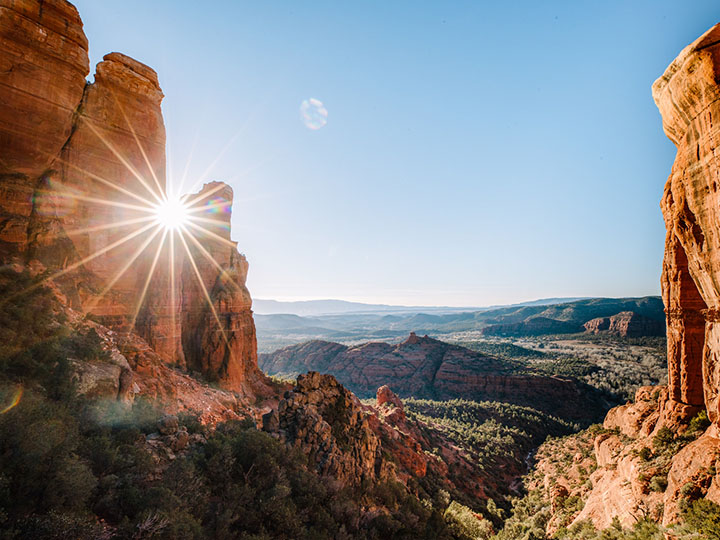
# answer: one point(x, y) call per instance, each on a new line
point(313, 113)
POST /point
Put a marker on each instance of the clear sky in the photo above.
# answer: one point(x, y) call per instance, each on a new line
point(474, 153)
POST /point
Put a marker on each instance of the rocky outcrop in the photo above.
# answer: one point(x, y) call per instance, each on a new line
point(113, 162)
point(688, 97)
point(428, 368)
point(403, 439)
point(644, 467)
point(43, 67)
point(626, 324)
point(356, 443)
point(330, 425)
point(595, 326)
point(81, 166)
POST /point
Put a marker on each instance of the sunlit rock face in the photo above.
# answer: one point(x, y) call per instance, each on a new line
point(81, 166)
point(688, 97)
point(116, 153)
point(626, 324)
point(218, 336)
point(43, 65)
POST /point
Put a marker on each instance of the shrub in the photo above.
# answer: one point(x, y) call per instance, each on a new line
point(699, 423)
point(663, 438)
point(703, 517)
point(658, 483)
point(645, 454)
point(465, 524)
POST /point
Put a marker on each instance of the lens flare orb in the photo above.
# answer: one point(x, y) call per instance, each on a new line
point(172, 214)
point(313, 114)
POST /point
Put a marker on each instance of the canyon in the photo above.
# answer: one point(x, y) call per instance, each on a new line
point(167, 319)
point(149, 317)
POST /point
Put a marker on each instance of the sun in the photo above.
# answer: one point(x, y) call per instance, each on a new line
point(171, 214)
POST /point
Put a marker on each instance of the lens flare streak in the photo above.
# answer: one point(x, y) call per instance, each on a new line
point(205, 292)
point(15, 400)
point(161, 214)
point(141, 300)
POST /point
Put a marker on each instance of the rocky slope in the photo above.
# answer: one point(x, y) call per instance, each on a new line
point(80, 165)
point(368, 444)
point(630, 469)
point(427, 368)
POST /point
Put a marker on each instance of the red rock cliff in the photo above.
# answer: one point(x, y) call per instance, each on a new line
point(80, 163)
point(218, 336)
point(688, 97)
point(43, 66)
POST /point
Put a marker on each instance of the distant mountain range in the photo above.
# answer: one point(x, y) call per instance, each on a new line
point(333, 307)
point(540, 317)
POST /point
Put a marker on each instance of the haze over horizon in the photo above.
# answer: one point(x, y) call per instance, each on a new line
point(469, 154)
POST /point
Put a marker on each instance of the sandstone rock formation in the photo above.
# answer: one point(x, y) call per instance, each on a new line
point(688, 97)
point(427, 368)
point(625, 324)
point(43, 66)
point(80, 165)
point(328, 423)
point(631, 459)
point(219, 338)
point(356, 443)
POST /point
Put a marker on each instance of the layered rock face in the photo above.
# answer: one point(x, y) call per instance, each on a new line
point(115, 156)
point(625, 324)
point(688, 97)
point(43, 66)
point(427, 368)
point(81, 166)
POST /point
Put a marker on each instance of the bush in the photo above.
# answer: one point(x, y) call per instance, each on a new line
point(465, 524)
point(702, 517)
point(658, 483)
point(663, 438)
point(699, 423)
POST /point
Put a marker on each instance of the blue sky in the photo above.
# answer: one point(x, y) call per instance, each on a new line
point(475, 153)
